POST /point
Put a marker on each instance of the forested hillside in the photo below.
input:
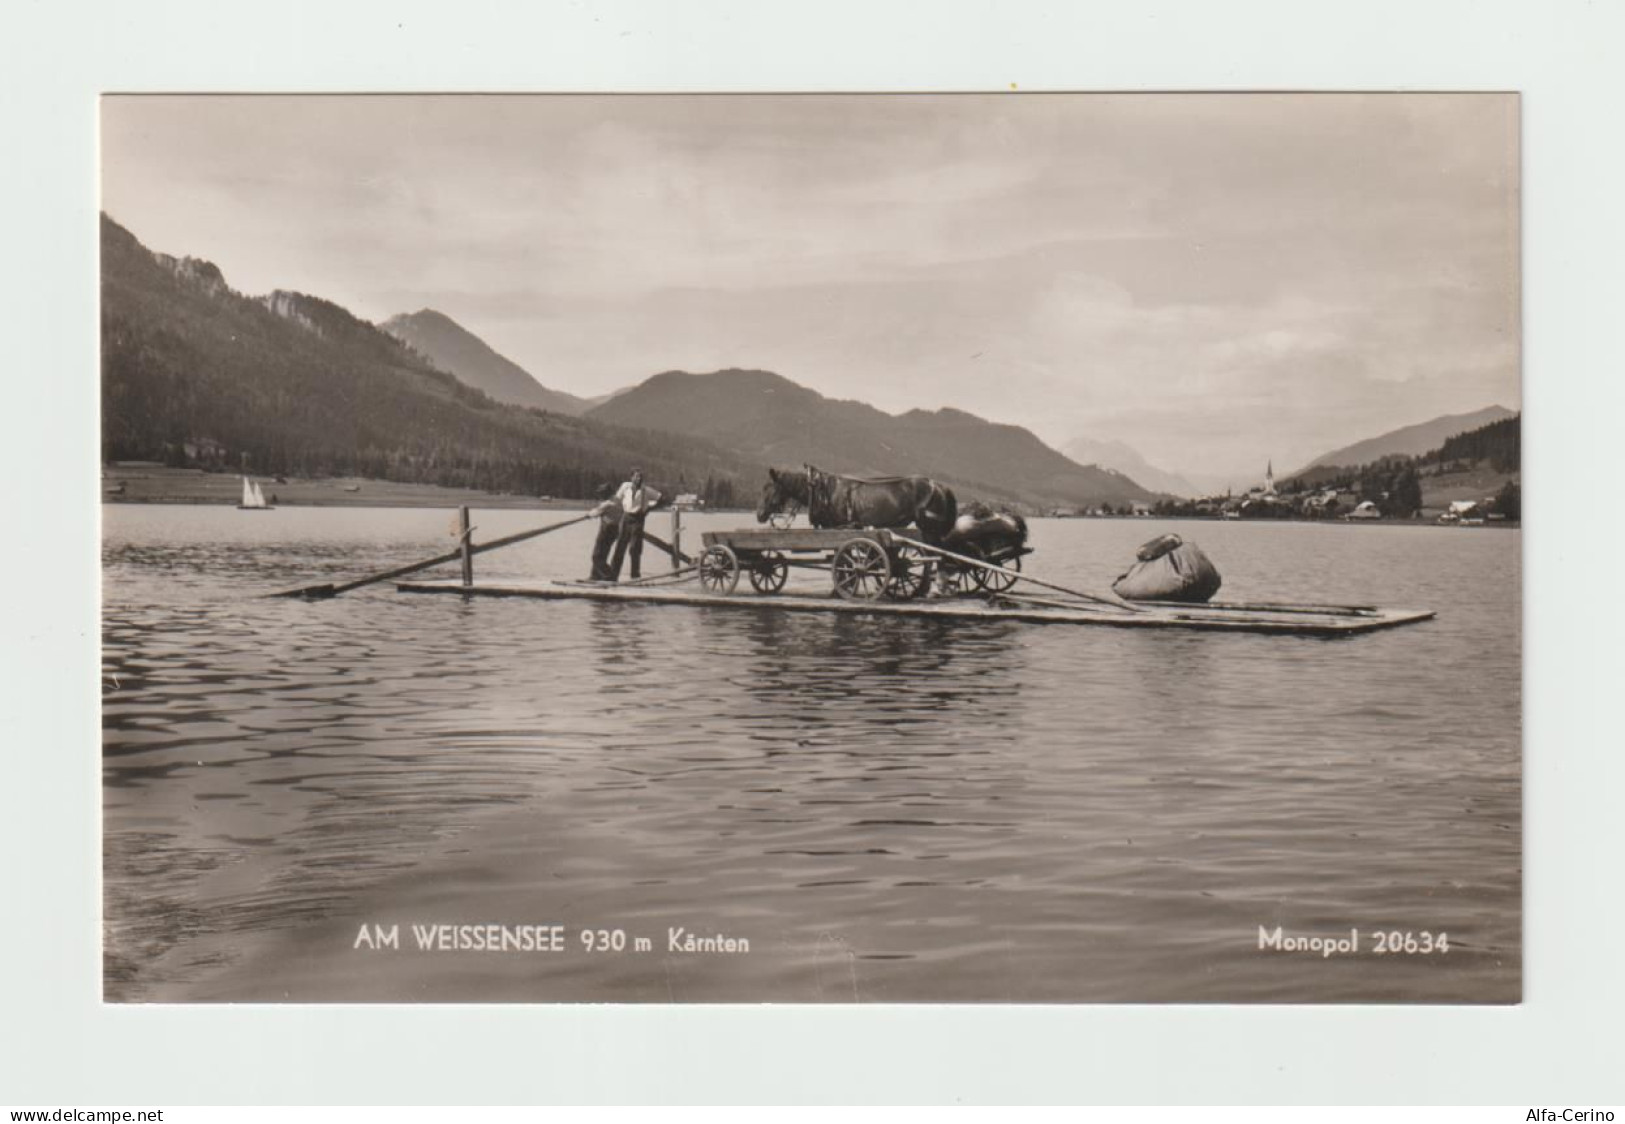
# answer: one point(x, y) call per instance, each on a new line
point(1464, 466)
point(1410, 441)
point(196, 373)
point(1499, 443)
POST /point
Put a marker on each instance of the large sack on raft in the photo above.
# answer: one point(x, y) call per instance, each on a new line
point(979, 525)
point(1170, 571)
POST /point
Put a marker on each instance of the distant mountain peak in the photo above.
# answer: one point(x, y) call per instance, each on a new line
point(457, 351)
point(733, 375)
point(944, 414)
point(1120, 459)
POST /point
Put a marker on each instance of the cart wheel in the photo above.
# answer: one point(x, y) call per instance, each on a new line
point(861, 570)
point(998, 583)
point(911, 573)
point(719, 570)
point(768, 571)
point(954, 580)
point(968, 578)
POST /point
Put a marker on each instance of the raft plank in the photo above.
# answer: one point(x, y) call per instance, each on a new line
point(1260, 607)
point(1297, 621)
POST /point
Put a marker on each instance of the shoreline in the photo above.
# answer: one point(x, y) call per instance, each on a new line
point(156, 484)
point(140, 484)
point(1432, 521)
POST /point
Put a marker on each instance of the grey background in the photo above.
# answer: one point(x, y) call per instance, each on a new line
point(59, 1046)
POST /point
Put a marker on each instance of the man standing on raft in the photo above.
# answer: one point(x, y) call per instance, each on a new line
point(608, 513)
point(635, 500)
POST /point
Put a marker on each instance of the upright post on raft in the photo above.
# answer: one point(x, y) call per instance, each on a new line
point(465, 543)
point(676, 536)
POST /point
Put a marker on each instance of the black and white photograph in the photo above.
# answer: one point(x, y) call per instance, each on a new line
point(811, 548)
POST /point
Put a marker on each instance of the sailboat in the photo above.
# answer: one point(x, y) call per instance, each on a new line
point(253, 498)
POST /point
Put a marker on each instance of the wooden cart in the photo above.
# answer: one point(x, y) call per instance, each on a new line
point(864, 564)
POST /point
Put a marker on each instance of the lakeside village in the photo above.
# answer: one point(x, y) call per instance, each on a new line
point(1403, 493)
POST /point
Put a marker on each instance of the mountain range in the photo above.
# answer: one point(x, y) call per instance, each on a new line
point(194, 372)
point(768, 418)
point(765, 417)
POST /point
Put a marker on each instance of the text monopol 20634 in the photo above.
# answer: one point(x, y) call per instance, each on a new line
point(1382, 942)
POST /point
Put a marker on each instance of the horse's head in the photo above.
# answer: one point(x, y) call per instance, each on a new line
point(777, 494)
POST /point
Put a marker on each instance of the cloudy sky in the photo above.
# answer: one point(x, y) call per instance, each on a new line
point(1212, 279)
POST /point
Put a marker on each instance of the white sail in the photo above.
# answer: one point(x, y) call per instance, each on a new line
point(252, 496)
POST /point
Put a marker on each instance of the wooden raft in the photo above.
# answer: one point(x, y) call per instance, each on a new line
point(1294, 620)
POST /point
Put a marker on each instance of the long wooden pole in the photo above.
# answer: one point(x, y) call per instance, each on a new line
point(329, 589)
point(676, 576)
point(1017, 574)
point(1051, 602)
point(661, 544)
point(465, 543)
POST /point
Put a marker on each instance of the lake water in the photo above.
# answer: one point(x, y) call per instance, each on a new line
point(885, 809)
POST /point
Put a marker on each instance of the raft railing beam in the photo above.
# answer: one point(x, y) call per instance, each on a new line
point(670, 548)
point(1116, 602)
point(330, 589)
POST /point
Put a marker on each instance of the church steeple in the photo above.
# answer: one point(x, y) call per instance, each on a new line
point(1269, 478)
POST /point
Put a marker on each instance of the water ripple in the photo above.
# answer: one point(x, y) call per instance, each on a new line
point(890, 810)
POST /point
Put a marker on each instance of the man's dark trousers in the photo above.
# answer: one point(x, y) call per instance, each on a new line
point(609, 529)
point(631, 535)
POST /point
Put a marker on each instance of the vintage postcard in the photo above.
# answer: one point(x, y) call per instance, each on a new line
point(905, 548)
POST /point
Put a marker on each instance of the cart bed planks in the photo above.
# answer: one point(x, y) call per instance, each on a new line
point(1290, 620)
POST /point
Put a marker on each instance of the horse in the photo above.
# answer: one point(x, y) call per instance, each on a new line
point(846, 501)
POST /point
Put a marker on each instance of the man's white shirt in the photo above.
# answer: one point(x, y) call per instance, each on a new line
point(636, 500)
